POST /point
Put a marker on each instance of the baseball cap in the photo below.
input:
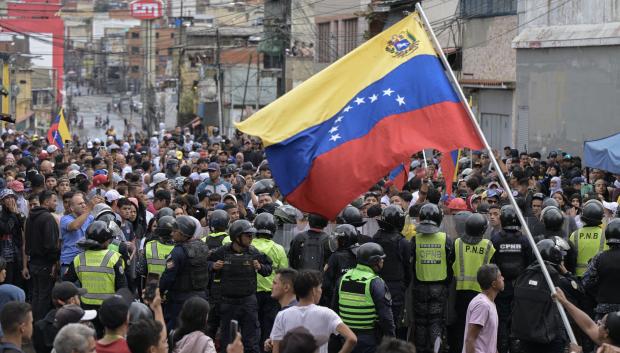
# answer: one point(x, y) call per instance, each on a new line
point(577, 180)
point(66, 290)
point(43, 155)
point(99, 179)
point(51, 149)
point(16, 186)
point(213, 166)
point(158, 178)
point(457, 204)
point(6, 193)
point(72, 314)
point(112, 195)
point(493, 193)
point(113, 311)
point(73, 174)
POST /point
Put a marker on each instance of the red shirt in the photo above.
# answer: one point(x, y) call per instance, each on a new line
point(118, 346)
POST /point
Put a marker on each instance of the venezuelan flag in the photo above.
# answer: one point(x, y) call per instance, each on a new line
point(450, 168)
point(59, 131)
point(338, 133)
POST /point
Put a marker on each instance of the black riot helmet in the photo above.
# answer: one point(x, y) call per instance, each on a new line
point(286, 214)
point(508, 218)
point(343, 237)
point(592, 214)
point(265, 224)
point(99, 232)
point(186, 226)
point(430, 219)
point(164, 211)
point(317, 221)
point(549, 251)
point(238, 227)
point(370, 254)
point(264, 186)
point(552, 218)
point(476, 225)
point(351, 215)
point(218, 220)
point(165, 226)
point(550, 201)
point(612, 231)
point(392, 218)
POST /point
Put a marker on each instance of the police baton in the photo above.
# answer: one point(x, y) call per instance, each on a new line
point(502, 179)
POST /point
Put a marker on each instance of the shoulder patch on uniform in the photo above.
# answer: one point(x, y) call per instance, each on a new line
point(170, 264)
point(388, 295)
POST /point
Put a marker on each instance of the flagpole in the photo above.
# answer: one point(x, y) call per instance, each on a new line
point(503, 181)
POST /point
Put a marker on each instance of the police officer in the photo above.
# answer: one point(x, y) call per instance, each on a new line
point(471, 252)
point(238, 263)
point(432, 257)
point(553, 221)
point(536, 322)
point(218, 226)
point(286, 222)
point(396, 271)
point(267, 306)
point(513, 254)
point(589, 240)
point(342, 242)
point(364, 299)
point(602, 276)
point(186, 273)
point(99, 269)
point(157, 250)
point(351, 215)
point(310, 249)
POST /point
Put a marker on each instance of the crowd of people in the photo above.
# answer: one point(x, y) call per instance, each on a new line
point(183, 243)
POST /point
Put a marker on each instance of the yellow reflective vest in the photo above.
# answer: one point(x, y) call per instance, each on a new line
point(588, 242)
point(431, 264)
point(95, 270)
point(156, 254)
point(469, 258)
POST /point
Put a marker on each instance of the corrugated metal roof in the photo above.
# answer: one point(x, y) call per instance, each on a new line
point(568, 36)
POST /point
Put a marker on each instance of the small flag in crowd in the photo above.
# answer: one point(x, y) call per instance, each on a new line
point(399, 175)
point(59, 131)
point(334, 136)
point(450, 168)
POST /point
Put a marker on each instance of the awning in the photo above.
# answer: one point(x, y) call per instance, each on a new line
point(603, 153)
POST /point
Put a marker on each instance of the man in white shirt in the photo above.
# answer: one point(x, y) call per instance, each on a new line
point(320, 321)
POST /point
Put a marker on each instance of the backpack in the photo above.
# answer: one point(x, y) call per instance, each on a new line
point(535, 316)
point(312, 251)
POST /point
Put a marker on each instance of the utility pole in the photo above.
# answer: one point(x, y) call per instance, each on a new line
point(257, 82)
point(220, 86)
point(245, 89)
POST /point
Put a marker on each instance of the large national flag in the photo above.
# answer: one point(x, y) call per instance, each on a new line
point(334, 136)
point(59, 131)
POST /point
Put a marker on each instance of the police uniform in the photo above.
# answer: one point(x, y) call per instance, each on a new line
point(238, 288)
point(512, 255)
point(470, 254)
point(432, 257)
point(363, 302)
point(602, 279)
point(214, 241)
point(155, 253)
point(267, 306)
point(588, 241)
point(186, 275)
point(339, 263)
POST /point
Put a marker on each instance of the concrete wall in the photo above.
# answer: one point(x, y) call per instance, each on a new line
point(535, 13)
point(488, 54)
point(568, 95)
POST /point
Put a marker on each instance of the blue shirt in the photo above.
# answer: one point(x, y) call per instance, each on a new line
point(70, 238)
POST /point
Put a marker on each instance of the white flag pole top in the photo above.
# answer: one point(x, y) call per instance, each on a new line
point(502, 179)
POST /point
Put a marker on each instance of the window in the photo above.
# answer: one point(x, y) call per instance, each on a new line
point(488, 8)
point(135, 50)
point(350, 35)
point(171, 35)
point(323, 42)
point(156, 34)
point(135, 69)
point(135, 35)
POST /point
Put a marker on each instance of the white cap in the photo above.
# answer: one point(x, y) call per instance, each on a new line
point(158, 178)
point(51, 149)
point(89, 144)
point(112, 195)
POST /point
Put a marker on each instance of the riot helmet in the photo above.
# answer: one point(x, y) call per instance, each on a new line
point(218, 220)
point(286, 214)
point(430, 219)
point(549, 251)
point(550, 201)
point(351, 215)
point(164, 211)
point(264, 186)
point(612, 232)
point(165, 226)
point(370, 254)
point(392, 218)
point(476, 225)
point(552, 218)
point(99, 232)
point(508, 218)
point(317, 221)
point(593, 212)
point(343, 237)
point(139, 311)
point(239, 227)
point(186, 226)
point(265, 224)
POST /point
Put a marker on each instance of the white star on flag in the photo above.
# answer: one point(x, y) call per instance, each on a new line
point(388, 92)
point(359, 100)
point(334, 137)
point(373, 98)
point(400, 100)
point(348, 107)
point(333, 129)
point(339, 119)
